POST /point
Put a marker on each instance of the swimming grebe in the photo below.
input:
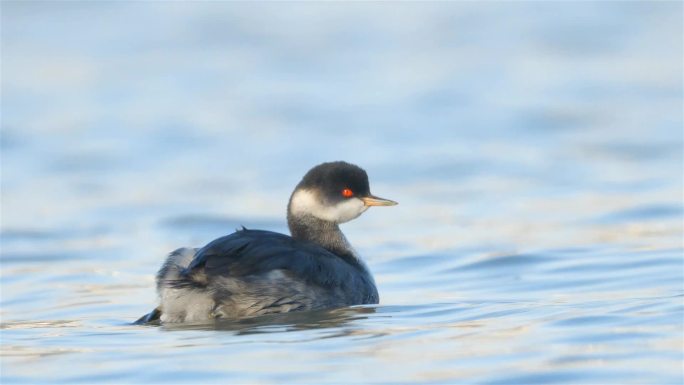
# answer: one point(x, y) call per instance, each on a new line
point(256, 272)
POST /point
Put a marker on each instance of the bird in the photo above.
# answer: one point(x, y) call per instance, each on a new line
point(252, 273)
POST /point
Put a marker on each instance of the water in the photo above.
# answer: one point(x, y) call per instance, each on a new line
point(535, 150)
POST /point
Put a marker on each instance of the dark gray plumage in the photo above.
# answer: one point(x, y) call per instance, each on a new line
point(256, 272)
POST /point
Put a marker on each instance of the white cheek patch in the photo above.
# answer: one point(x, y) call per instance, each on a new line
point(306, 202)
point(348, 209)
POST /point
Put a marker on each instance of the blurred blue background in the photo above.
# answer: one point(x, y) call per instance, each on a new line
point(535, 149)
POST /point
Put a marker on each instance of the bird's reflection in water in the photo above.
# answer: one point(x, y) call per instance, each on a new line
point(283, 322)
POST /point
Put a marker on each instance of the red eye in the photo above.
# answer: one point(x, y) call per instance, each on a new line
point(347, 193)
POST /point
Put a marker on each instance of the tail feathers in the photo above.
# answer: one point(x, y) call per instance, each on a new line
point(170, 272)
point(151, 318)
point(174, 265)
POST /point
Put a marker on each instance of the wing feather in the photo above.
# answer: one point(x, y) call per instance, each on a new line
point(256, 252)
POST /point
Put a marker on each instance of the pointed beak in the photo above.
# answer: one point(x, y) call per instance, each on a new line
point(377, 201)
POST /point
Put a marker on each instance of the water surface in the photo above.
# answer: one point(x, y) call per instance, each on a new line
point(535, 150)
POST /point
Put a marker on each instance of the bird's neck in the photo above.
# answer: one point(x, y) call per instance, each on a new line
point(324, 233)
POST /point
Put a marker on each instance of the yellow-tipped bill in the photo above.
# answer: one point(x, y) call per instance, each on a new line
point(377, 201)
